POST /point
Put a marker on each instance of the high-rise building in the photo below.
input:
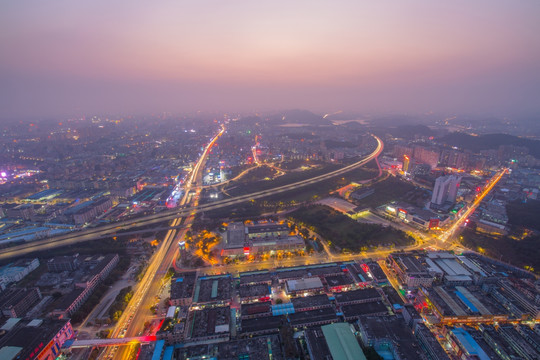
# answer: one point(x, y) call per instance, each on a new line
point(400, 150)
point(453, 188)
point(406, 162)
point(445, 190)
point(426, 156)
point(454, 159)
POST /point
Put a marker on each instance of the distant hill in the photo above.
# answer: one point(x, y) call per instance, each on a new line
point(410, 131)
point(249, 120)
point(395, 119)
point(489, 141)
point(299, 117)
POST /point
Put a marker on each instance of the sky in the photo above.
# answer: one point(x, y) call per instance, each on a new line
point(65, 57)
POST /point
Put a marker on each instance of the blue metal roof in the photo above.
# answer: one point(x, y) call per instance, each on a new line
point(469, 344)
point(466, 301)
point(167, 355)
point(158, 350)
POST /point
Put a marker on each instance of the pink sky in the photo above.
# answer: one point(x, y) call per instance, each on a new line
point(68, 57)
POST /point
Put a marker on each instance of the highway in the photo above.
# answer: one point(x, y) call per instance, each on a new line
point(138, 310)
point(441, 243)
point(458, 224)
point(92, 234)
point(131, 323)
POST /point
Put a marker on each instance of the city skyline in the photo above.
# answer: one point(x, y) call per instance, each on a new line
point(73, 58)
point(285, 180)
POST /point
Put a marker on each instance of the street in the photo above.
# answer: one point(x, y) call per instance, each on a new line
point(132, 321)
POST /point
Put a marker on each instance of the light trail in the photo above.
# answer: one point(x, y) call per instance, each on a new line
point(167, 215)
point(459, 222)
point(141, 294)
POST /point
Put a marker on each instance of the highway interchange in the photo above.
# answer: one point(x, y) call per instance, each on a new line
point(92, 234)
point(132, 321)
point(134, 317)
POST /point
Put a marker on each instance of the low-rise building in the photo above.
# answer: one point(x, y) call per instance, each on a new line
point(17, 271)
point(63, 263)
point(89, 210)
point(333, 341)
point(267, 230)
point(410, 270)
point(466, 346)
point(315, 317)
point(16, 302)
point(213, 290)
point(255, 292)
point(182, 287)
point(260, 238)
point(389, 334)
point(357, 296)
point(209, 323)
point(311, 285)
point(72, 301)
point(37, 339)
point(311, 302)
point(429, 343)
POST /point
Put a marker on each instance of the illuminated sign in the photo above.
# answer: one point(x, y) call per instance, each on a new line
point(365, 268)
point(246, 250)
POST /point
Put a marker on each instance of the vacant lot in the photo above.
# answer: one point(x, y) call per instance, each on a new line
point(392, 189)
point(345, 234)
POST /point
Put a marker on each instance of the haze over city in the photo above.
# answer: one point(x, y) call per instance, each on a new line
point(285, 180)
point(71, 58)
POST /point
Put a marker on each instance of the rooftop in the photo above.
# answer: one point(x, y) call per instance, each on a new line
point(392, 330)
point(318, 348)
point(310, 302)
point(363, 309)
point(311, 270)
point(256, 308)
point(212, 289)
point(30, 338)
point(376, 271)
point(267, 323)
point(305, 318)
point(255, 277)
point(358, 295)
point(12, 296)
point(342, 342)
point(256, 290)
point(65, 301)
point(304, 284)
point(183, 284)
point(209, 321)
point(266, 227)
point(261, 348)
point(338, 280)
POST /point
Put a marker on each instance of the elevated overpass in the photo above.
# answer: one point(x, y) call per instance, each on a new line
point(93, 234)
point(76, 344)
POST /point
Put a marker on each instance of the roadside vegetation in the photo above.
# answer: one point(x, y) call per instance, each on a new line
point(523, 253)
point(526, 215)
point(120, 303)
